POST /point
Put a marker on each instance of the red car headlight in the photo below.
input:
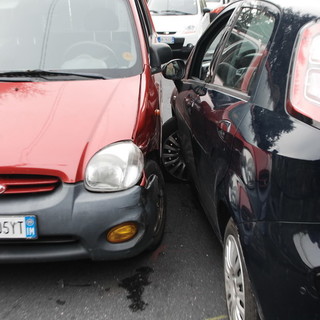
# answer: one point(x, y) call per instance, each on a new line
point(118, 166)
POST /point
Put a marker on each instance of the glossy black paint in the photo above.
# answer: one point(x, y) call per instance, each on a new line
point(278, 211)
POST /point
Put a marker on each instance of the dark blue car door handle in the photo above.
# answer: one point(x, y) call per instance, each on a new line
point(189, 102)
point(223, 128)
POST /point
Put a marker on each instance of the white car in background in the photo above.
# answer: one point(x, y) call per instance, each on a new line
point(213, 4)
point(180, 23)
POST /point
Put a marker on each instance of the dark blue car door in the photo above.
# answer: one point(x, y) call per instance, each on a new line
point(199, 111)
point(222, 73)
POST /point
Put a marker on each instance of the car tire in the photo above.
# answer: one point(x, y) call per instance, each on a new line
point(153, 169)
point(173, 163)
point(240, 300)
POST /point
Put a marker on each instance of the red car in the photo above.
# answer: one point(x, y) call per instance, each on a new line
point(80, 114)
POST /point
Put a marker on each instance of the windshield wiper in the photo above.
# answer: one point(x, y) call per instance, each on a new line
point(154, 11)
point(176, 12)
point(45, 74)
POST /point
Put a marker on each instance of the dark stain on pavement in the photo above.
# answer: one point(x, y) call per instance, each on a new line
point(135, 287)
point(60, 302)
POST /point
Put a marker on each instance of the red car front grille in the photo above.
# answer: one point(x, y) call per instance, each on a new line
point(21, 184)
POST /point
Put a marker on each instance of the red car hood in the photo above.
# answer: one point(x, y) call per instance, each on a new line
point(54, 128)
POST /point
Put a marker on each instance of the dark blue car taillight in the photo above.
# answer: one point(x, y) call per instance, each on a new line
point(304, 93)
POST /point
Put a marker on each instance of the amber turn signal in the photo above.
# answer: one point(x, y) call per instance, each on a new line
point(122, 232)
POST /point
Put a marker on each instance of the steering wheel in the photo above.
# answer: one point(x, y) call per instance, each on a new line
point(95, 49)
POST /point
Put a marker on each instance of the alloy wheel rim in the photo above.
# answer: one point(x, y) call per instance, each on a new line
point(234, 280)
point(172, 157)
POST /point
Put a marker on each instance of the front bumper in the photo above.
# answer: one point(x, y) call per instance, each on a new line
point(183, 44)
point(72, 223)
point(283, 261)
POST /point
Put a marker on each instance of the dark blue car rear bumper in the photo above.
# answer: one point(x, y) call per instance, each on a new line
point(283, 261)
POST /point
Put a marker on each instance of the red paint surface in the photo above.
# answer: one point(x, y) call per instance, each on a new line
point(54, 128)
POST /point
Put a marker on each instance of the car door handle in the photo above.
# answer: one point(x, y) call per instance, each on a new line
point(224, 127)
point(189, 102)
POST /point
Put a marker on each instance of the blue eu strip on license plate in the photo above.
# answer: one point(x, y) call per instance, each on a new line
point(18, 227)
point(31, 227)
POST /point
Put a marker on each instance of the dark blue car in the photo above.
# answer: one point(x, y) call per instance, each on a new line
point(245, 130)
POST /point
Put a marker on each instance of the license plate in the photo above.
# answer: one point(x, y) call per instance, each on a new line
point(166, 39)
point(18, 227)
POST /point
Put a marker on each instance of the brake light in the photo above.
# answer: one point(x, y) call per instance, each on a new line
point(217, 10)
point(304, 94)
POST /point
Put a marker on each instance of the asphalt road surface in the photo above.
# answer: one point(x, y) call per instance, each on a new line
point(182, 279)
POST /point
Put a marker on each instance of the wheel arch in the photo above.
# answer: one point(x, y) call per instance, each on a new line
point(223, 215)
point(153, 155)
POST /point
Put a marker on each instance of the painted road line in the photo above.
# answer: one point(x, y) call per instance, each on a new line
point(218, 318)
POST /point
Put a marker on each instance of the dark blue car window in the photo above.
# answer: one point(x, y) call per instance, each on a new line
point(208, 55)
point(244, 49)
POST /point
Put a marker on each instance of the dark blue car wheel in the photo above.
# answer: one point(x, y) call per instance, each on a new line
point(173, 161)
point(241, 303)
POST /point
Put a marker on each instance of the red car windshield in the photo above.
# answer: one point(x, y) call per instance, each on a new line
point(95, 35)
